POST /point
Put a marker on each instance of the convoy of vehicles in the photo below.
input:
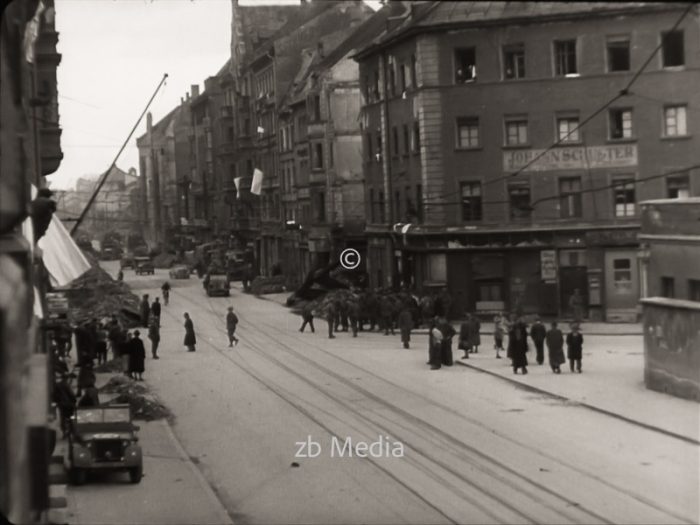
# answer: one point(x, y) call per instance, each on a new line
point(144, 265)
point(104, 438)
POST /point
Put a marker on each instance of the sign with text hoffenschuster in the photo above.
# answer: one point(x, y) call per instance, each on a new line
point(572, 157)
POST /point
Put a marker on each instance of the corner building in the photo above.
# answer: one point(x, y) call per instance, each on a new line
point(462, 102)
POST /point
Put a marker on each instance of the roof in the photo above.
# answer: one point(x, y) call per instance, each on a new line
point(440, 14)
point(162, 125)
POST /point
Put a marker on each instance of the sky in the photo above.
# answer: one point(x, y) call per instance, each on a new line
point(114, 54)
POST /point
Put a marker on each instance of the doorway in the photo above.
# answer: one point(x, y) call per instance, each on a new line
point(571, 278)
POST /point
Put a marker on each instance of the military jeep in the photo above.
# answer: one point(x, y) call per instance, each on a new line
point(104, 438)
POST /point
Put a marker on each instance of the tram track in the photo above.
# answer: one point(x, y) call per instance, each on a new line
point(469, 455)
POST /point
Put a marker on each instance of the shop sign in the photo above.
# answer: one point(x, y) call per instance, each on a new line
point(570, 158)
point(611, 237)
point(548, 263)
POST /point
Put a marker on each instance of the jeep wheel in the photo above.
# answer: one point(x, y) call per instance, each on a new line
point(78, 476)
point(135, 474)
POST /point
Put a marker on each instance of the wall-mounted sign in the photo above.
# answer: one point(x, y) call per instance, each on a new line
point(548, 263)
point(571, 158)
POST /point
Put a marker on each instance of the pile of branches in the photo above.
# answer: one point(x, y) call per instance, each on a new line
point(122, 384)
point(144, 405)
point(264, 285)
point(97, 294)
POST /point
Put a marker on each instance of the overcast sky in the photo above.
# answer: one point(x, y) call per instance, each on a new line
point(114, 54)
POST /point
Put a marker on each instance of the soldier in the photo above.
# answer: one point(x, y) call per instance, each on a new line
point(475, 333)
point(385, 314)
point(155, 310)
point(154, 336)
point(405, 325)
point(574, 347)
point(330, 311)
point(307, 315)
point(354, 314)
point(231, 323)
point(538, 333)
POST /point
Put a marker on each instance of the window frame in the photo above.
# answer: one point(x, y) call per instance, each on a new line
point(662, 51)
point(575, 194)
point(435, 261)
point(664, 121)
point(516, 119)
point(506, 49)
point(457, 65)
point(476, 212)
point(674, 178)
point(512, 213)
point(461, 122)
point(555, 62)
point(620, 183)
point(613, 111)
point(568, 138)
point(611, 41)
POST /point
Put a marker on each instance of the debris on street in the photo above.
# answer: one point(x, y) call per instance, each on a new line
point(144, 404)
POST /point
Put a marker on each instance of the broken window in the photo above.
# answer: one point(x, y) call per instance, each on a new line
point(519, 199)
point(465, 65)
point(618, 54)
point(565, 58)
point(514, 61)
point(678, 187)
point(672, 49)
point(620, 123)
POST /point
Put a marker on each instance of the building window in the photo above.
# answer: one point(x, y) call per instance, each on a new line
point(623, 192)
point(321, 207)
point(372, 214)
point(406, 140)
point(315, 107)
point(516, 132)
point(678, 187)
point(317, 159)
point(622, 275)
point(368, 144)
point(380, 201)
point(416, 137)
point(394, 141)
point(618, 54)
point(468, 132)
point(331, 155)
point(419, 202)
point(465, 65)
point(519, 199)
point(672, 49)
point(567, 129)
point(378, 155)
point(414, 82)
point(570, 197)
point(436, 264)
point(403, 78)
point(694, 290)
point(514, 61)
point(565, 58)
point(471, 201)
point(391, 77)
point(668, 287)
point(675, 121)
point(489, 291)
point(620, 121)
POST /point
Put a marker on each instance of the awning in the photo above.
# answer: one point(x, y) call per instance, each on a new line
point(62, 258)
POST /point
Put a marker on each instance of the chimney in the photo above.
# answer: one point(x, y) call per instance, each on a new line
point(149, 121)
point(195, 90)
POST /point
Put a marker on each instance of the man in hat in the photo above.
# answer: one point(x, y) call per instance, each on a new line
point(538, 333)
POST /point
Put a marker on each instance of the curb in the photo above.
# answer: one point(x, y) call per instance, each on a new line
point(208, 490)
point(558, 397)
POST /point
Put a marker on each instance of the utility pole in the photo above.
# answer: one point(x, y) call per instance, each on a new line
point(114, 162)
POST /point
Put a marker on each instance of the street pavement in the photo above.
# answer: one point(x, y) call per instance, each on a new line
point(477, 448)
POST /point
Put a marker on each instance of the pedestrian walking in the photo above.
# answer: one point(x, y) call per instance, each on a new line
point(154, 336)
point(165, 290)
point(435, 346)
point(465, 337)
point(307, 315)
point(555, 348)
point(231, 323)
point(538, 333)
point(405, 325)
point(499, 331)
point(354, 315)
point(330, 312)
point(448, 332)
point(155, 310)
point(385, 313)
point(190, 338)
point(145, 310)
point(474, 333)
point(574, 347)
point(576, 305)
point(517, 346)
point(137, 357)
point(120, 275)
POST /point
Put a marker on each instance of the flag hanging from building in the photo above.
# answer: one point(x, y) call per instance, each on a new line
point(31, 33)
point(256, 185)
point(237, 182)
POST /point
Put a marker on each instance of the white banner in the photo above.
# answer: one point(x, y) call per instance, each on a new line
point(574, 157)
point(256, 185)
point(237, 182)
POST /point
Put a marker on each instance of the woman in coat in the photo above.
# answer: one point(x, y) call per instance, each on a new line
point(517, 347)
point(465, 337)
point(574, 348)
point(405, 325)
point(474, 331)
point(137, 357)
point(448, 332)
point(435, 340)
point(190, 339)
point(555, 348)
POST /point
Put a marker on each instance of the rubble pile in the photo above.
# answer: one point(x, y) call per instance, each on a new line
point(144, 405)
point(264, 285)
point(165, 260)
point(123, 385)
point(97, 294)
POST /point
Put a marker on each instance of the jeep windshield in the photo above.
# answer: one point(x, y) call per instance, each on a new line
point(103, 415)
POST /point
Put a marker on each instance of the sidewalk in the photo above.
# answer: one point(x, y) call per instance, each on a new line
point(612, 381)
point(172, 490)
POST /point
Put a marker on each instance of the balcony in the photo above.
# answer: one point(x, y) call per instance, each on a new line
point(227, 112)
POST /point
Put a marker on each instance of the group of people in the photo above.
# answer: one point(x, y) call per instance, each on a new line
point(442, 332)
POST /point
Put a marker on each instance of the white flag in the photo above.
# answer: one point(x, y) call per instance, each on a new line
point(31, 33)
point(237, 182)
point(256, 185)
